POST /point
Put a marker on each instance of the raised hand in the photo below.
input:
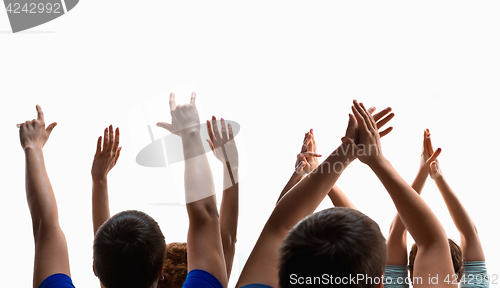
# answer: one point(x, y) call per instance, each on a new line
point(428, 155)
point(380, 118)
point(368, 148)
point(185, 118)
point(33, 133)
point(224, 147)
point(105, 159)
point(307, 159)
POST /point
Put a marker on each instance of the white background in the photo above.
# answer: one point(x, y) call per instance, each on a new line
point(278, 69)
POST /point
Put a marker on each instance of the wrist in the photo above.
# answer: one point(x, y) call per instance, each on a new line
point(99, 179)
point(377, 163)
point(422, 173)
point(340, 158)
point(189, 133)
point(298, 176)
point(439, 178)
point(32, 148)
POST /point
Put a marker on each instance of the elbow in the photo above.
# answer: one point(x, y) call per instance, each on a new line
point(203, 212)
point(229, 241)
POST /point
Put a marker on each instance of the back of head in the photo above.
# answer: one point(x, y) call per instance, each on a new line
point(331, 247)
point(174, 266)
point(129, 249)
point(456, 257)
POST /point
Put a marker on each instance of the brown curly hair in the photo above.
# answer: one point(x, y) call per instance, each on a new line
point(456, 257)
point(174, 266)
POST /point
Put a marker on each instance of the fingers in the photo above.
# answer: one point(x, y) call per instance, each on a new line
point(433, 167)
point(371, 110)
point(118, 154)
point(312, 143)
point(211, 144)
point(230, 131)
point(308, 154)
point(51, 127)
point(382, 113)
point(300, 167)
point(116, 141)
point(223, 129)
point(434, 156)
point(111, 138)
point(171, 102)
point(385, 132)
point(40, 113)
point(215, 128)
point(106, 140)
point(193, 98)
point(210, 133)
point(165, 125)
point(384, 121)
point(368, 118)
point(305, 144)
point(359, 118)
point(99, 143)
point(429, 142)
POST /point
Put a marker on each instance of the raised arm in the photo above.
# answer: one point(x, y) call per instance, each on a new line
point(469, 239)
point(339, 199)
point(224, 149)
point(51, 250)
point(105, 159)
point(300, 201)
point(433, 256)
point(307, 158)
point(396, 241)
point(204, 239)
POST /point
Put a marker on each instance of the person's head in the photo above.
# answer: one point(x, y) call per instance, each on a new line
point(174, 266)
point(456, 257)
point(338, 243)
point(129, 249)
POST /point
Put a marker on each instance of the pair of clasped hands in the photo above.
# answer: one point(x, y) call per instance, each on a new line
point(362, 138)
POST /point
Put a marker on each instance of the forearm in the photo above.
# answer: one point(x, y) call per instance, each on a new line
point(339, 199)
point(198, 180)
point(229, 211)
point(305, 196)
point(416, 215)
point(229, 222)
point(396, 241)
point(39, 193)
point(458, 213)
point(100, 202)
point(294, 179)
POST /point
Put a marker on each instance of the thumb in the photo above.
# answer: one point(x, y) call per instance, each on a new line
point(433, 167)
point(51, 127)
point(349, 141)
point(211, 145)
point(300, 167)
point(166, 126)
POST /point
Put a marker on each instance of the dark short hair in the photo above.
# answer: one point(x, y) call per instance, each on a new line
point(456, 257)
point(129, 249)
point(337, 242)
point(174, 266)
